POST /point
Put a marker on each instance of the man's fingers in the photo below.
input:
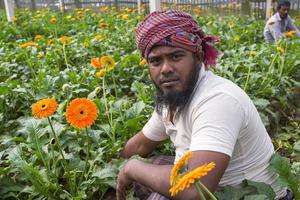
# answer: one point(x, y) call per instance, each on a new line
point(121, 195)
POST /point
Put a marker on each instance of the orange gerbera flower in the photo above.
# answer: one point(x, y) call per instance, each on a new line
point(174, 172)
point(81, 113)
point(65, 40)
point(95, 62)
point(290, 33)
point(108, 62)
point(28, 44)
point(44, 108)
point(103, 25)
point(191, 177)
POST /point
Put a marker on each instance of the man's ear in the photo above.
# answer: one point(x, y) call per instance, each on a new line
point(199, 56)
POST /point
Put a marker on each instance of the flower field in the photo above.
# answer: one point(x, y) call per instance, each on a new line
point(74, 88)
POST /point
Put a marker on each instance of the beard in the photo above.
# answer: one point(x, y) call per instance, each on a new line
point(177, 100)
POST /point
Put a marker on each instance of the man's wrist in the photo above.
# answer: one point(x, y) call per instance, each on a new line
point(130, 168)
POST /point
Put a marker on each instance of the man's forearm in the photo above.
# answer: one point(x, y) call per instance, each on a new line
point(156, 177)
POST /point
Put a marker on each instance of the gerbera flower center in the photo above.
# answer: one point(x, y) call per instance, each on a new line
point(44, 107)
point(81, 112)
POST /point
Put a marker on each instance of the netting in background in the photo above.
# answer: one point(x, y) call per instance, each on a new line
point(256, 8)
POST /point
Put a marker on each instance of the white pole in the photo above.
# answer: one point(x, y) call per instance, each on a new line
point(155, 5)
point(62, 5)
point(9, 7)
point(139, 5)
point(268, 9)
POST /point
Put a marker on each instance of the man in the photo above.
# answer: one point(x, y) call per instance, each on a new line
point(280, 23)
point(197, 110)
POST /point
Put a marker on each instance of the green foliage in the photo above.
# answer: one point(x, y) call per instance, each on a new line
point(287, 178)
point(247, 190)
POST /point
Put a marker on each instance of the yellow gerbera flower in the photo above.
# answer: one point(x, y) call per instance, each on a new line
point(37, 37)
point(53, 20)
point(138, 17)
point(108, 62)
point(191, 177)
point(125, 17)
point(100, 73)
point(81, 113)
point(280, 50)
point(44, 108)
point(252, 53)
point(98, 37)
point(143, 62)
point(236, 39)
point(174, 172)
point(51, 41)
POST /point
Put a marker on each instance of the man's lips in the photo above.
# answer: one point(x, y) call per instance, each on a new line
point(169, 82)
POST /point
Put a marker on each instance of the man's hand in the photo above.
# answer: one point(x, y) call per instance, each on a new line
point(124, 181)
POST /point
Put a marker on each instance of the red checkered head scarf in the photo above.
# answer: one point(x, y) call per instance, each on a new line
point(178, 29)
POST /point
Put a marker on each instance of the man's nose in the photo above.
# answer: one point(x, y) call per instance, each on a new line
point(167, 67)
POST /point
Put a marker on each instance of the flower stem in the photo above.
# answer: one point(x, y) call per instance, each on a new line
point(202, 197)
point(65, 166)
point(248, 76)
point(207, 191)
point(65, 56)
point(113, 77)
point(87, 155)
point(40, 153)
point(106, 105)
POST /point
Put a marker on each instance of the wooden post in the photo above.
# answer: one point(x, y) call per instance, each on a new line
point(33, 5)
point(9, 7)
point(62, 5)
point(154, 5)
point(17, 4)
point(268, 9)
point(78, 4)
point(2, 6)
point(139, 5)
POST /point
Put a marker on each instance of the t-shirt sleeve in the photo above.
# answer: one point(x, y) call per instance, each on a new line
point(216, 123)
point(154, 129)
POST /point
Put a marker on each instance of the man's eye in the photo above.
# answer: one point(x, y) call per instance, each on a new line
point(176, 56)
point(154, 62)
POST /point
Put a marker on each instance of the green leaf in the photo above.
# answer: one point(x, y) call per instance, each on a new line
point(135, 110)
point(256, 197)
point(110, 172)
point(263, 189)
point(282, 167)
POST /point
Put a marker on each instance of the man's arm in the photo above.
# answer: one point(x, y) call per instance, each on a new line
point(292, 27)
point(157, 177)
point(138, 145)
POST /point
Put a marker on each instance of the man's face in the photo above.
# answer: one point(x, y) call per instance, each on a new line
point(283, 11)
point(171, 68)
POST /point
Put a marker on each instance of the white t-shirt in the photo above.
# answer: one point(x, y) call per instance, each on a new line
point(220, 117)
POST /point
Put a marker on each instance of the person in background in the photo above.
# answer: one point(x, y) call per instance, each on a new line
point(199, 111)
point(279, 24)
